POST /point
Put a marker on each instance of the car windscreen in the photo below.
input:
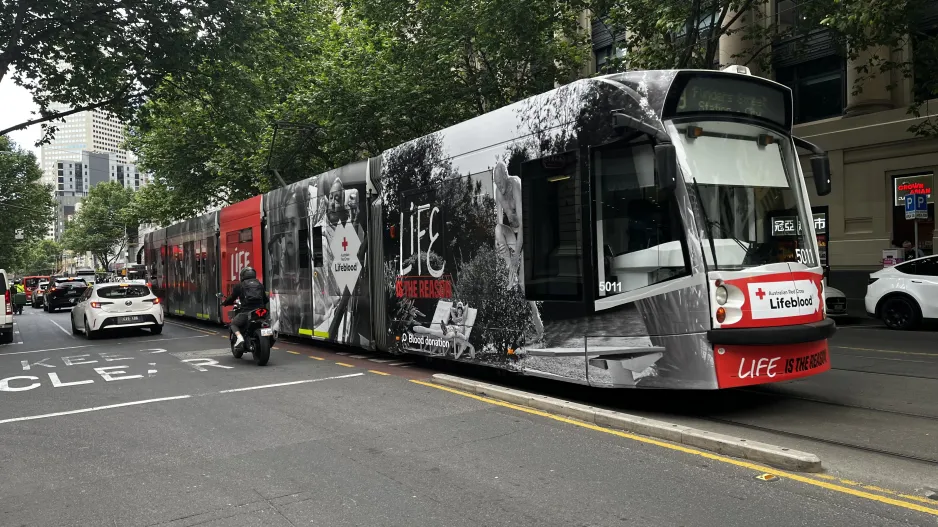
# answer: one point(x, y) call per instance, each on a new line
point(124, 291)
point(70, 284)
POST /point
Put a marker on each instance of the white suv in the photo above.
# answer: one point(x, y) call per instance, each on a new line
point(6, 309)
point(903, 295)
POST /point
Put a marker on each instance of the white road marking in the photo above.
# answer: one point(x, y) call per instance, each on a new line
point(175, 338)
point(291, 383)
point(156, 350)
point(399, 363)
point(49, 349)
point(69, 333)
point(343, 353)
point(194, 328)
point(381, 361)
point(93, 409)
point(358, 356)
point(57, 383)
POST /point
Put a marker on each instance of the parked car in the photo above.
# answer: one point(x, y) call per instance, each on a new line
point(117, 305)
point(39, 294)
point(836, 302)
point(903, 295)
point(63, 292)
point(6, 309)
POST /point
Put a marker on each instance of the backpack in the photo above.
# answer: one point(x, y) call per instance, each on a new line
point(252, 292)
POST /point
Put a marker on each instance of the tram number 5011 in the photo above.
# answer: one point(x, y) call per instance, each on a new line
point(610, 287)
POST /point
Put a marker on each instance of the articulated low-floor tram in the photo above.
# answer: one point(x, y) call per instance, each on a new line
point(614, 232)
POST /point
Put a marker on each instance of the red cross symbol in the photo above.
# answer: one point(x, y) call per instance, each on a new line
point(760, 293)
point(344, 244)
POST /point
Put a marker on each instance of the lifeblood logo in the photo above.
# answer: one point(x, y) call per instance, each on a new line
point(783, 299)
point(345, 264)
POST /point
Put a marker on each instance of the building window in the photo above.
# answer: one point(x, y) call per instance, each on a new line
point(818, 87)
point(925, 64)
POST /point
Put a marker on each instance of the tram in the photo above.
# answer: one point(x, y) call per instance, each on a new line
point(615, 232)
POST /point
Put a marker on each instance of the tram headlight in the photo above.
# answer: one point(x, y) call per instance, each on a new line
point(721, 295)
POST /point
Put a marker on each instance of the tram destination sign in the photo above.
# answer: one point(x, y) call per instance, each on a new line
point(706, 94)
point(791, 226)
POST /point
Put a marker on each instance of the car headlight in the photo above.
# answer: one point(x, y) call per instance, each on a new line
point(721, 295)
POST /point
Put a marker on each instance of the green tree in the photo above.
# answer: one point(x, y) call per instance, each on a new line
point(359, 77)
point(666, 34)
point(116, 51)
point(104, 220)
point(41, 257)
point(26, 204)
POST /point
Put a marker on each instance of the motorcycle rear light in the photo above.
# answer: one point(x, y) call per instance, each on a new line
point(260, 312)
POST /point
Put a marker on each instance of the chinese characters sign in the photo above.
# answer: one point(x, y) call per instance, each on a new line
point(791, 226)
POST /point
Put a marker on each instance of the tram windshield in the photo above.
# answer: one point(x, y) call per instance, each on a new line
point(750, 203)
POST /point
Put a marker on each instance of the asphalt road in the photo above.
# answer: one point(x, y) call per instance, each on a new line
point(137, 429)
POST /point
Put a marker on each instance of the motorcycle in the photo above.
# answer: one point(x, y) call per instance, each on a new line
point(258, 335)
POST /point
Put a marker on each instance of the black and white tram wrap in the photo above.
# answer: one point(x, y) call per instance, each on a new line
point(611, 232)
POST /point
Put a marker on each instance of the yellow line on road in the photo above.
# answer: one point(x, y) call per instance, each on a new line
point(317, 358)
point(293, 352)
point(346, 365)
point(693, 451)
point(888, 351)
point(376, 372)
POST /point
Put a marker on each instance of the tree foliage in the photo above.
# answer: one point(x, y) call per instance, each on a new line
point(110, 54)
point(102, 224)
point(26, 204)
point(665, 34)
point(327, 82)
point(41, 257)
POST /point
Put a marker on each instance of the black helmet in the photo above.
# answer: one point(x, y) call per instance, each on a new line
point(248, 273)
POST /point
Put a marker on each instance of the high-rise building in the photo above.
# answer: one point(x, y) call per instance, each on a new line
point(91, 131)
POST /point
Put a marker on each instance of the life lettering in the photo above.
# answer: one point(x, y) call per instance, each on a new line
point(415, 236)
point(749, 368)
point(239, 260)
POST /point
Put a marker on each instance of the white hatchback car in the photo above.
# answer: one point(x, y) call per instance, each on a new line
point(111, 305)
point(903, 295)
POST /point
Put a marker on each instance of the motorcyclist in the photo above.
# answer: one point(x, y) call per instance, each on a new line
point(252, 294)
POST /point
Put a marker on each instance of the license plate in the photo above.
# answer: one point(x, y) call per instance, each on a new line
point(72, 293)
point(129, 320)
point(266, 332)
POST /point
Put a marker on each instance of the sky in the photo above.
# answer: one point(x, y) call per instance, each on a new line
point(15, 106)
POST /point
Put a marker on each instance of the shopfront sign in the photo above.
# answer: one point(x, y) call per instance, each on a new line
point(918, 185)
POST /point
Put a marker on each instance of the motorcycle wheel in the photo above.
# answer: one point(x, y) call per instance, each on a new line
point(234, 351)
point(262, 349)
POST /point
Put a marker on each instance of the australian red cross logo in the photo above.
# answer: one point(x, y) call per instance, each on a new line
point(760, 293)
point(344, 244)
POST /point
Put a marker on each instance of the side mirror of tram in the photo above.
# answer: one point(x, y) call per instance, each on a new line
point(666, 166)
point(821, 168)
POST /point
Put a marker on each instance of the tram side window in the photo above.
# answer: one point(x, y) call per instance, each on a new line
point(317, 247)
point(638, 230)
point(550, 224)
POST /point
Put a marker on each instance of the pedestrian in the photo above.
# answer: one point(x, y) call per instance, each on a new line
point(911, 253)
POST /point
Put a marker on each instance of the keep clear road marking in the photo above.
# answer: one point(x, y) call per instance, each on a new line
point(173, 398)
point(49, 349)
point(687, 450)
point(69, 333)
